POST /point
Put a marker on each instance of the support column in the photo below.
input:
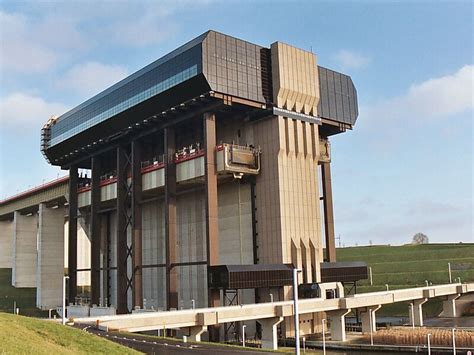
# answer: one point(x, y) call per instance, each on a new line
point(6, 244)
point(449, 306)
point(269, 332)
point(366, 314)
point(137, 298)
point(196, 332)
point(418, 311)
point(170, 219)
point(50, 270)
point(123, 221)
point(24, 250)
point(338, 324)
point(95, 232)
point(328, 212)
point(212, 231)
point(72, 235)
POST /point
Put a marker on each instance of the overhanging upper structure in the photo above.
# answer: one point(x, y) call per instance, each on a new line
point(212, 65)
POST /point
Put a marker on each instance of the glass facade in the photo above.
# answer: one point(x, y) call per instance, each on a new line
point(172, 69)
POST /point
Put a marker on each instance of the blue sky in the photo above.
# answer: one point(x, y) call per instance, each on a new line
point(407, 166)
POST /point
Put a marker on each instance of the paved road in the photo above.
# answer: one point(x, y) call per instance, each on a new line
point(155, 345)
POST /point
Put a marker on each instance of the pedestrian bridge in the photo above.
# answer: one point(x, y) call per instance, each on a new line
point(270, 314)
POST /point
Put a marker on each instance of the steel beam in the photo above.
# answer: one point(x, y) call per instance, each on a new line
point(137, 298)
point(328, 212)
point(170, 218)
point(72, 235)
point(123, 221)
point(95, 231)
point(212, 231)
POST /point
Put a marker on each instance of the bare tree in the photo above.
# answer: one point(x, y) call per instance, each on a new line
point(420, 238)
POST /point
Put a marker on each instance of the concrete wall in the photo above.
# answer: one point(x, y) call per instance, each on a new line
point(83, 254)
point(24, 250)
point(6, 244)
point(153, 253)
point(50, 269)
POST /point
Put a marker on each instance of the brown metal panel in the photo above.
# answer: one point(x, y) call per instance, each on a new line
point(328, 212)
point(137, 298)
point(95, 231)
point(170, 218)
point(122, 224)
point(212, 232)
point(72, 233)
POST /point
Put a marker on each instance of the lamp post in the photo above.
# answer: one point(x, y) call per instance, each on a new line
point(449, 271)
point(295, 305)
point(243, 335)
point(429, 344)
point(370, 325)
point(323, 321)
point(271, 297)
point(64, 298)
point(193, 304)
point(454, 340)
point(370, 275)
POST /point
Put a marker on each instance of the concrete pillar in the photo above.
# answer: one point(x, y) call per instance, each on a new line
point(269, 332)
point(418, 311)
point(50, 270)
point(196, 332)
point(24, 250)
point(366, 313)
point(6, 244)
point(338, 324)
point(449, 306)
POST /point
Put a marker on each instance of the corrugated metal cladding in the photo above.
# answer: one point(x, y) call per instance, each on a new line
point(338, 97)
point(235, 67)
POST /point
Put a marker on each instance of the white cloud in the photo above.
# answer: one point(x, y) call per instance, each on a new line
point(20, 52)
point(89, 78)
point(433, 98)
point(20, 112)
point(351, 60)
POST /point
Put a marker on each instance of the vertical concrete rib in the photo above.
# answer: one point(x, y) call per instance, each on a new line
point(50, 269)
point(170, 218)
point(122, 224)
point(72, 235)
point(6, 244)
point(137, 296)
point(95, 231)
point(328, 212)
point(24, 250)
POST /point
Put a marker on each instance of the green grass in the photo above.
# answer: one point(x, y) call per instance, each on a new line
point(23, 335)
point(409, 266)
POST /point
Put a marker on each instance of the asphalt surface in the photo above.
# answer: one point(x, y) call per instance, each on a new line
point(156, 345)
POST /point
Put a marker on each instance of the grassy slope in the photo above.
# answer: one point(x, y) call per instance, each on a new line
point(23, 335)
point(409, 266)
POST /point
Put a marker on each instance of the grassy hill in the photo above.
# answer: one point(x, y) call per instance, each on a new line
point(23, 335)
point(409, 266)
